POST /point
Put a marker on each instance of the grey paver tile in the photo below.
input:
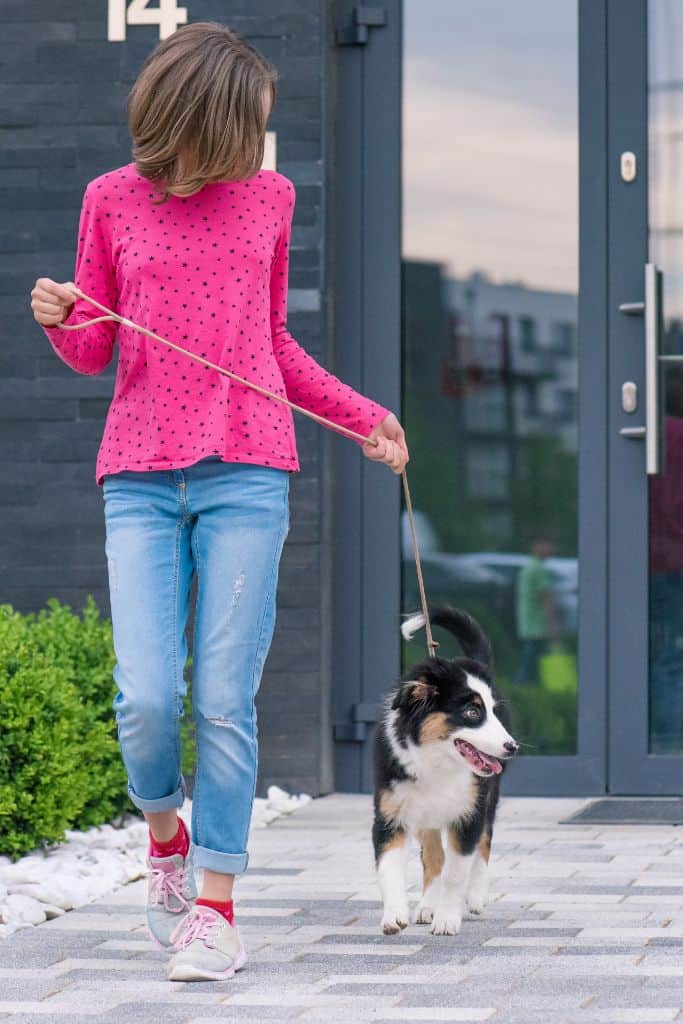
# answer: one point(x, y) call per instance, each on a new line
point(585, 922)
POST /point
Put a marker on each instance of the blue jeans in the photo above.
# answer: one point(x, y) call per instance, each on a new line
point(226, 522)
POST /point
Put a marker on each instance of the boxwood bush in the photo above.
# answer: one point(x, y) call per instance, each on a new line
point(60, 761)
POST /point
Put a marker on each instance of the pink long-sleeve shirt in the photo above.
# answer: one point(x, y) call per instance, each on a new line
point(208, 272)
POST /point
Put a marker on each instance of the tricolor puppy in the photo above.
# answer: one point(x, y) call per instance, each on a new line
point(440, 749)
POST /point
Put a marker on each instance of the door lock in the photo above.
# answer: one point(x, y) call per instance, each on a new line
point(628, 166)
point(629, 396)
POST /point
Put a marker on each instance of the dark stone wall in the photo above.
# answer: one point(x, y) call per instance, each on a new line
point(62, 122)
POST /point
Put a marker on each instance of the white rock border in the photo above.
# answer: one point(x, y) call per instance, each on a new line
point(90, 864)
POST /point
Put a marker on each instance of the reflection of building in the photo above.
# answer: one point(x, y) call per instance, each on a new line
point(514, 350)
point(505, 356)
point(510, 338)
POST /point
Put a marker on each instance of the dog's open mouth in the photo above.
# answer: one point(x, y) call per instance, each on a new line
point(480, 762)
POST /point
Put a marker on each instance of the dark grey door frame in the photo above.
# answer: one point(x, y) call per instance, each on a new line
point(366, 269)
point(585, 774)
point(365, 263)
point(632, 769)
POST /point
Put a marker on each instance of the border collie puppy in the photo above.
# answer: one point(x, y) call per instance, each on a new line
point(439, 748)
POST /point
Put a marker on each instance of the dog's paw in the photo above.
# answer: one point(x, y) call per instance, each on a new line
point(446, 922)
point(477, 902)
point(394, 921)
point(423, 914)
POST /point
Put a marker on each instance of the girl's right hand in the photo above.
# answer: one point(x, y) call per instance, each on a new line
point(391, 444)
point(51, 302)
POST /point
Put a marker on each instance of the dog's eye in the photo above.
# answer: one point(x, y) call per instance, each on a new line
point(472, 712)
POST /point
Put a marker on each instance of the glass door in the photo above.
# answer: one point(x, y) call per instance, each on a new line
point(646, 681)
point(665, 141)
point(493, 356)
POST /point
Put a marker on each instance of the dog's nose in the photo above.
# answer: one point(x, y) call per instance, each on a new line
point(511, 747)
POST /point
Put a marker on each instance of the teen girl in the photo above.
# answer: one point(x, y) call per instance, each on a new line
point(191, 240)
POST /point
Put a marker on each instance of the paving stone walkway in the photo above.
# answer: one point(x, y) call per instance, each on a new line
point(586, 924)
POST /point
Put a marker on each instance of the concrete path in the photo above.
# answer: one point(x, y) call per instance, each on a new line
point(586, 924)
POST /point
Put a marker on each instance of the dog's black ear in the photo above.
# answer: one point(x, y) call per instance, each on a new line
point(413, 693)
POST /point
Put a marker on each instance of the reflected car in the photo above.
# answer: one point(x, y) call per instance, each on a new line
point(564, 573)
point(482, 575)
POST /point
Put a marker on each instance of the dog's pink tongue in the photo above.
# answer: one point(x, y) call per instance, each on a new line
point(478, 759)
point(491, 762)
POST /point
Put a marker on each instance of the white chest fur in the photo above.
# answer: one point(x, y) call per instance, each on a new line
point(443, 790)
point(435, 801)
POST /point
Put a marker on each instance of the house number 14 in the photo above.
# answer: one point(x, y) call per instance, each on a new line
point(166, 14)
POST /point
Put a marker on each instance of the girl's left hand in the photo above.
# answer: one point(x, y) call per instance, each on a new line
point(391, 444)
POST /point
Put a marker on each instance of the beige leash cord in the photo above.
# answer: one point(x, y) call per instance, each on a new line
point(110, 315)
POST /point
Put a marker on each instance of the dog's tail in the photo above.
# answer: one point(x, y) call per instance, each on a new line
point(464, 628)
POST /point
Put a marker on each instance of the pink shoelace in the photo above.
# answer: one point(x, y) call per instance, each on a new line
point(169, 884)
point(200, 923)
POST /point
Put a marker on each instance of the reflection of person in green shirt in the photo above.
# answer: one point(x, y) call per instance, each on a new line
point(536, 610)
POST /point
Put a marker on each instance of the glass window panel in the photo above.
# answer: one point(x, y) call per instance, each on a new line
point(666, 491)
point(490, 271)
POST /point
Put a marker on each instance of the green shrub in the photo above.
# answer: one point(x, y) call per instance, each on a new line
point(543, 722)
point(60, 761)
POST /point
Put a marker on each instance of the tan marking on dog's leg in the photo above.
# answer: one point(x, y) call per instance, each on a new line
point(434, 728)
point(388, 805)
point(432, 857)
point(396, 842)
point(485, 847)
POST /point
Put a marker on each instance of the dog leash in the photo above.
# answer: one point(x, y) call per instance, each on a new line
point(111, 315)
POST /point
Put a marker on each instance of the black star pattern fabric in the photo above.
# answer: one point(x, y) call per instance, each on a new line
point(208, 272)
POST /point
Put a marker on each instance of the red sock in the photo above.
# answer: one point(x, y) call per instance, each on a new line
point(180, 843)
point(223, 907)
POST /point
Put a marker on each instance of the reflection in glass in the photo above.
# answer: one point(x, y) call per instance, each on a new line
point(666, 491)
point(490, 268)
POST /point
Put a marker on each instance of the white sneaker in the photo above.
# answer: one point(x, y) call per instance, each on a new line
point(171, 892)
point(208, 947)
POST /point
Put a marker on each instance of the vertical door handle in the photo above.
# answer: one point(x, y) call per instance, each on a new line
point(651, 310)
point(653, 390)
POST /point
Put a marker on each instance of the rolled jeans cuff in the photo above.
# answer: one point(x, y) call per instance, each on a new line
point(162, 803)
point(214, 860)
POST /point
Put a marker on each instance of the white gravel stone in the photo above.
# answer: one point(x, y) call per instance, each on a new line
point(46, 892)
point(285, 803)
point(97, 861)
point(51, 911)
point(18, 907)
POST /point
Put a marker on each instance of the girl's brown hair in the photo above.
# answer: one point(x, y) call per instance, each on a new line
point(196, 110)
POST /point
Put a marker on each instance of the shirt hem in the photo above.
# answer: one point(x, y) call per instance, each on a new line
point(291, 464)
